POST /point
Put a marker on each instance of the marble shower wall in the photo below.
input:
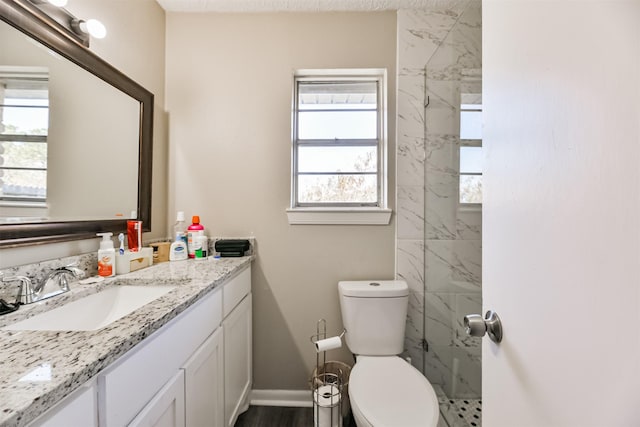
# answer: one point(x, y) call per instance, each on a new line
point(438, 243)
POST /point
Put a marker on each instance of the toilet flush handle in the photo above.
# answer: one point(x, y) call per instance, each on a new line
point(476, 326)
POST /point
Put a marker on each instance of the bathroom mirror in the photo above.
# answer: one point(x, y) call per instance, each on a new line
point(89, 156)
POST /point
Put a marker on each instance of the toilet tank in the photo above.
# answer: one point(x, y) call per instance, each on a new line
point(374, 314)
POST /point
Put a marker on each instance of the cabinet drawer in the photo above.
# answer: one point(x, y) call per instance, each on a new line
point(126, 386)
point(235, 290)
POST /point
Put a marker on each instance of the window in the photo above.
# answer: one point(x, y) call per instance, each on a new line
point(339, 143)
point(470, 148)
point(24, 123)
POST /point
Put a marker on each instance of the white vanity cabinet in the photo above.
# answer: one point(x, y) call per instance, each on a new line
point(178, 376)
point(127, 386)
point(195, 371)
point(237, 347)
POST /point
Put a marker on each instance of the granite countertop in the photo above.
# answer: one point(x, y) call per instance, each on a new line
point(39, 368)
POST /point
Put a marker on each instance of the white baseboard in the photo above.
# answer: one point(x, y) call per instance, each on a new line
point(291, 398)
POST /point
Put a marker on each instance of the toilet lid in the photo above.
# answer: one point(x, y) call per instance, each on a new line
point(389, 392)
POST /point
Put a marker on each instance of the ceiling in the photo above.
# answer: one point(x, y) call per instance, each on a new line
point(297, 5)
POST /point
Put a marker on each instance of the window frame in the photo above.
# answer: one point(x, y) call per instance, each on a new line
point(467, 143)
point(341, 212)
point(472, 85)
point(20, 74)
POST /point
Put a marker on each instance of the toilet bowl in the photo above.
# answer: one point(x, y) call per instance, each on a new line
point(386, 391)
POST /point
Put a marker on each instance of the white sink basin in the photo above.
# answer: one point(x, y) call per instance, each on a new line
point(94, 311)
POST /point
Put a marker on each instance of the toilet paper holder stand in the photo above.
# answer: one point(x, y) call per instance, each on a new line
point(324, 343)
point(326, 386)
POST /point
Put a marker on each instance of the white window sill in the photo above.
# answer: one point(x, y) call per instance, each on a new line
point(23, 204)
point(470, 207)
point(339, 216)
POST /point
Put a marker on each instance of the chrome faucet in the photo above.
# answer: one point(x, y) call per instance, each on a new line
point(25, 294)
point(57, 279)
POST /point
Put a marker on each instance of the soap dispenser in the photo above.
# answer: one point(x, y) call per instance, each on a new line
point(106, 256)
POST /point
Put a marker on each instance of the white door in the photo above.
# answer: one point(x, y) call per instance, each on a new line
point(561, 240)
point(204, 384)
point(237, 361)
point(166, 409)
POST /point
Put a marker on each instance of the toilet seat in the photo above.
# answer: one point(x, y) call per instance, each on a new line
point(388, 392)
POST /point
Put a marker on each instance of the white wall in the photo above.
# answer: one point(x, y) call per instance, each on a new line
point(229, 88)
point(135, 45)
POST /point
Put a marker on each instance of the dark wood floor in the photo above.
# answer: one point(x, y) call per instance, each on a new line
point(278, 416)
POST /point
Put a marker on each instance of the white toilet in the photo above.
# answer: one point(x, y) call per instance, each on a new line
point(384, 390)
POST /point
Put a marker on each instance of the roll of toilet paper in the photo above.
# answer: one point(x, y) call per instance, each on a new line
point(328, 344)
point(326, 406)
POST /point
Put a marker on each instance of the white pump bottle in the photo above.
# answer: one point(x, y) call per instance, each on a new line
point(106, 256)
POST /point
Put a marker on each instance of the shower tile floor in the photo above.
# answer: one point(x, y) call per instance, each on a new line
point(458, 412)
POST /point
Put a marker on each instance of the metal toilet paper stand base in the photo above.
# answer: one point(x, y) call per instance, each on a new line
point(326, 387)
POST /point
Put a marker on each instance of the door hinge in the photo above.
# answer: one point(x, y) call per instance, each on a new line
point(425, 345)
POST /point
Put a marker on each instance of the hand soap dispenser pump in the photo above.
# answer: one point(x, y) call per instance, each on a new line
point(106, 256)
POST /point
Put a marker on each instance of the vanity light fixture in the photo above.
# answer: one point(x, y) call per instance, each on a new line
point(77, 29)
point(58, 3)
point(92, 27)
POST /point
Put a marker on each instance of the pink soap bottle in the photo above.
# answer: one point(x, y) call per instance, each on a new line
point(194, 230)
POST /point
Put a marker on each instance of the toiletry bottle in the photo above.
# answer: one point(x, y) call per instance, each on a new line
point(178, 250)
point(194, 230)
point(180, 227)
point(134, 235)
point(106, 256)
point(202, 247)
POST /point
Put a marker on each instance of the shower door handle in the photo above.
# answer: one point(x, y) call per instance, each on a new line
point(476, 326)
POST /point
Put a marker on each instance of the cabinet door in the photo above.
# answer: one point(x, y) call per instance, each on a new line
point(237, 361)
point(204, 384)
point(166, 409)
point(80, 408)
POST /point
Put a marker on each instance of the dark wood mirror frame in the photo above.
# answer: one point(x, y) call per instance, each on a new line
point(29, 19)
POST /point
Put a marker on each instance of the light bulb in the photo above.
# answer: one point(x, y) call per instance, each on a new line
point(59, 3)
point(93, 27)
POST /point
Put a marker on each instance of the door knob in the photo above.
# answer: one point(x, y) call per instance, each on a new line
point(476, 326)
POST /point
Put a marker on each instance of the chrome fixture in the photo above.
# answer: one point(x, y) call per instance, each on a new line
point(476, 326)
point(91, 27)
point(25, 294)
point(54, 283)
point(57, 3)
point(54, 13)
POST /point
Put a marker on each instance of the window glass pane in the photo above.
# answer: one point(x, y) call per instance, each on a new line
point(337, 188)
point(470, 159)
point(23, 154)
point(21, 183)
point(340, 125)
point(337, 159)
point(337, 95)
point(470, 188)
point(24, 120)
point(470, 124)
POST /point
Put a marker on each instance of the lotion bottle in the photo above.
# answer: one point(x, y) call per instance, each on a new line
point(106, 256)
point(178, 249)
